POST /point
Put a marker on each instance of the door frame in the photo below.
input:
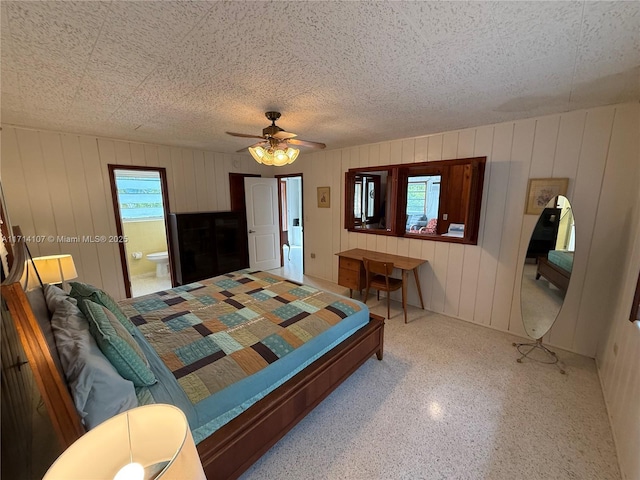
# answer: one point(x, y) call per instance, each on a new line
point(279, 177)
point(236, 190)
point(257, 220)
point(116, 210)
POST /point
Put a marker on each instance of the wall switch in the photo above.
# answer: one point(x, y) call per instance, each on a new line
point(313, 255)
point(445, 216)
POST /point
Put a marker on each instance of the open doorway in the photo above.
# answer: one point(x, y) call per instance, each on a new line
point(141, 205)
point(291, 225)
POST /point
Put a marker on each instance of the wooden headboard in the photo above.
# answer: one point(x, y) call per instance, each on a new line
point(37, 350)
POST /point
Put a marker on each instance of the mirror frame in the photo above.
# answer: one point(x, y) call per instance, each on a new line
point(460, 192)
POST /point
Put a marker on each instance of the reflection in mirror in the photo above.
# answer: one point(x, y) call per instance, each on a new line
point(546, 275)
point(423, 202)
point(370, 200)
point(437, 200)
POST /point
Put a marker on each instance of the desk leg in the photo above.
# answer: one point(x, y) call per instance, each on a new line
point(417, 277)
point(405, 274)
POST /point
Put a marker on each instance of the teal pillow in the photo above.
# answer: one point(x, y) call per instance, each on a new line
point(82, 291)
point(118, 345)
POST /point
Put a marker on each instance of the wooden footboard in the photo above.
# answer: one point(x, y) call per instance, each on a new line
point(236, 446)
point(556, 275)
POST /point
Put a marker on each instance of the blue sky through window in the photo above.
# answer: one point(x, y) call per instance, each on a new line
point(139, 197)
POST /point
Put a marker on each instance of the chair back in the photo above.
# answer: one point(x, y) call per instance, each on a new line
point(374, 267)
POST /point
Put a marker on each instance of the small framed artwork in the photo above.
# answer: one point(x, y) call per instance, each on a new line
point(324, 197)
point(541, 190)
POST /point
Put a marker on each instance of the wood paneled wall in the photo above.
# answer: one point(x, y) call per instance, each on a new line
point(67, 194)
point(596, 149)
point(618, 358)
point(57, 184)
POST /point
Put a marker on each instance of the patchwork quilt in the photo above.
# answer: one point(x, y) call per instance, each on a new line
point(213, 333)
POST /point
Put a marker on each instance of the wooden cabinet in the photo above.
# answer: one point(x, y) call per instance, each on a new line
point(351, 274)
point(207, 244)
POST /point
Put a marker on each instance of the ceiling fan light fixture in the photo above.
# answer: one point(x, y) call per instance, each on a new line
point(279, 156)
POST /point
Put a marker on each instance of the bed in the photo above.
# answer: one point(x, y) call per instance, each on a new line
point(268, 403)
point(556, 267)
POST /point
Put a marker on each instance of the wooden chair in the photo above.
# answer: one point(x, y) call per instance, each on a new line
point(378, 277)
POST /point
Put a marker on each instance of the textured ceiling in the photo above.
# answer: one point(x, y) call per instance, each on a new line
point(343, 73)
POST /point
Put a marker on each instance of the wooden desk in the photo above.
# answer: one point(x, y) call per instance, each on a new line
point(351, 272)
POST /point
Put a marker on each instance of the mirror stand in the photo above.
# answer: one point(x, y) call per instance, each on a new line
point(550, 355)
point(546, 274)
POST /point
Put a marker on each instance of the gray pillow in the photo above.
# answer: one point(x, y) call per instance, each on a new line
point(98, 391)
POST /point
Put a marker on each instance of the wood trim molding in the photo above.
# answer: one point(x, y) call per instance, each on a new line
point(236, 190)
point(281, 206)
point(119, 230)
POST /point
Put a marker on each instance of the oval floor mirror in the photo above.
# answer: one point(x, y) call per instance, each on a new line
point(545, 277)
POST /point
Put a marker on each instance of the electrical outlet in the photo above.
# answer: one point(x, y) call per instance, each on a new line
point(313, 255)
point(615, 349)
point(445, 216)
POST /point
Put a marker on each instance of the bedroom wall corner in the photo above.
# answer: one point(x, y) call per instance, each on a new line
point(57, 186)
point(619, 352)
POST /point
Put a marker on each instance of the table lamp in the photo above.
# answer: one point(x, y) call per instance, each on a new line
point(52, 269)
point(145, 443)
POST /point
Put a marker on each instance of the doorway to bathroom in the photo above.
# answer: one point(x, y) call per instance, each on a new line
point(291, 226)
point(140, 202)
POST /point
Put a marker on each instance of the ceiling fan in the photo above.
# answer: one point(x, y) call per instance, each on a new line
point(275, 142)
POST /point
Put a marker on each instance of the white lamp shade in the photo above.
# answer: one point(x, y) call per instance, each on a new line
point(52, 269)
point(159, 433)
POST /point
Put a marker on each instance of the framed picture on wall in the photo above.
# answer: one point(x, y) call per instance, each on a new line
point(324, 197)
point(541, 190)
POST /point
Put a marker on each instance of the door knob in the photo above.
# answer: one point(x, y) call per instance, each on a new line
point(252, 231)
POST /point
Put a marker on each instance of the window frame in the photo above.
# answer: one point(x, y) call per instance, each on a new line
point(466, 197)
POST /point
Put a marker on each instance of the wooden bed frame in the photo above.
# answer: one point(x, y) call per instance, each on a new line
point(233, 448)
point(558, 276)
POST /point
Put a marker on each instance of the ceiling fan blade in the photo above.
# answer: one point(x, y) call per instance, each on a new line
point(282, 135)
point(306, 143)
point(259, 144)
point(245, 135)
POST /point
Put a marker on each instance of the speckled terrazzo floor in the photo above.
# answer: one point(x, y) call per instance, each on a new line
point(149, 283)
point(449, 401)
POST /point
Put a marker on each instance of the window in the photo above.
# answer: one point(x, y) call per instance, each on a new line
point(418, 200)
point(423, 203)
point(368, 200)
point(139, 195)
point(357, 201)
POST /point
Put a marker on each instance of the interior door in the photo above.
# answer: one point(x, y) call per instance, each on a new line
point(261, 196)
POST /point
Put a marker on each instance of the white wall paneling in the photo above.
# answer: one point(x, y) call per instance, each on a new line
point(475, 283)
point(58, 184)
point(89, 261)
point(481, 283)
point(619, 349)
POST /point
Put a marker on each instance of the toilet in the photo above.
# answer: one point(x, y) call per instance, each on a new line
point(161, 259)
